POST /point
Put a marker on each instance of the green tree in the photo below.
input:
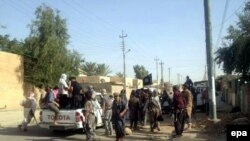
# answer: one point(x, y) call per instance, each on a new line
point(89, 68)
point(92, 68)
point(46, 54)
point(102, 70)
point(234, 55)
point(12, 46)
point(140, 71)
point(119, 74)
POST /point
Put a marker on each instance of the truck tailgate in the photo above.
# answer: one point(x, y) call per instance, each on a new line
point(65, 116)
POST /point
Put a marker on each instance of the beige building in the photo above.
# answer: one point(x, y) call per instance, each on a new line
point(111, 84)
point(11, 80)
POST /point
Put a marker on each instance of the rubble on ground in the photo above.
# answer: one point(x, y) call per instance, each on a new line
point(241, 121)
point(220, 126)
point(128, 131)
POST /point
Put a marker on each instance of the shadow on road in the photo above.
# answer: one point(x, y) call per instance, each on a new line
point(35, 131)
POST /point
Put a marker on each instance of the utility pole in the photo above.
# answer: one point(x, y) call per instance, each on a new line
point(162, 81)
point(156, 61)
point(124, 62)
point(178, 78)
point(169, 75)
point(210, 66)
point(205, 74)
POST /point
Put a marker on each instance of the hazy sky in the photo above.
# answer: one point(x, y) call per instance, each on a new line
point(171, 30)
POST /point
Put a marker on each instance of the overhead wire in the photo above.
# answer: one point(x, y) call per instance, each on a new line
point(222, 23)
point(232, 14)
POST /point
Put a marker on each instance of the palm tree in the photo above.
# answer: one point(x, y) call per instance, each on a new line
point(89, 68)
point(119, 74)
point(102, 70)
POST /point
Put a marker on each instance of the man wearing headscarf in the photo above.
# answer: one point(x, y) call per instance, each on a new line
point(63, 91)
point(63, 86)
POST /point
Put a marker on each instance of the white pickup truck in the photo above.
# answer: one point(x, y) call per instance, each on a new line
point(69, 119)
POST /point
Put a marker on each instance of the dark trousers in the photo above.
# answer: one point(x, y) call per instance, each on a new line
point(63, 100)
point(207, 108)
point(54, 108)
point(194, 107)
point(119, 128)
point(133, 124)
point(179, 121)
point(76, 102)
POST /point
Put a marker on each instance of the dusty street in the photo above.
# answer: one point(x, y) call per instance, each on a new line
point(36, 133)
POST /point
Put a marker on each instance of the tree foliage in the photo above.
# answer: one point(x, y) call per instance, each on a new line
point(102, 70)
point(234, 55)
point(45, 51)
point(92, 68)
point(46, 54)
point(12, 46)
point(119, 74)
point(140, 71)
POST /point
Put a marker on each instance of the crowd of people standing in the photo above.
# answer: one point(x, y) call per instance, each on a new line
point(143, 105)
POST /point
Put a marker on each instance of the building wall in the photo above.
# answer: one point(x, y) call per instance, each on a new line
point(81, 79)
point(116, 79)
point(245, 99)
point(97, 79)
point(11, 80)
point(137, 83)
point(236, 95)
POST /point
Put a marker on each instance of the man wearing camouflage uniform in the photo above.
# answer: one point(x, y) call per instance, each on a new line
point(89, 115)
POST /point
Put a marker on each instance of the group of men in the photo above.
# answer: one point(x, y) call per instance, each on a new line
point(143, 103)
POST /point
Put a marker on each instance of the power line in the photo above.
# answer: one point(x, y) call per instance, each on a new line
point(233, 13)
point(222, 22)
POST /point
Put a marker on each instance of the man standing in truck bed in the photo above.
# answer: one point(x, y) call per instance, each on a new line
point(75, 88)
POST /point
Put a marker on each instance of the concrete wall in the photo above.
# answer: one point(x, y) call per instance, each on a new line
point(11, 80)
point(81, 79)
point(110, 88)
point(236, 95)
point(245, 99)
point(116, 79)
point(137, 83)
point(97, 79)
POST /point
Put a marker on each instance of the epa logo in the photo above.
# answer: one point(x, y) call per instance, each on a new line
point(239, 133)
